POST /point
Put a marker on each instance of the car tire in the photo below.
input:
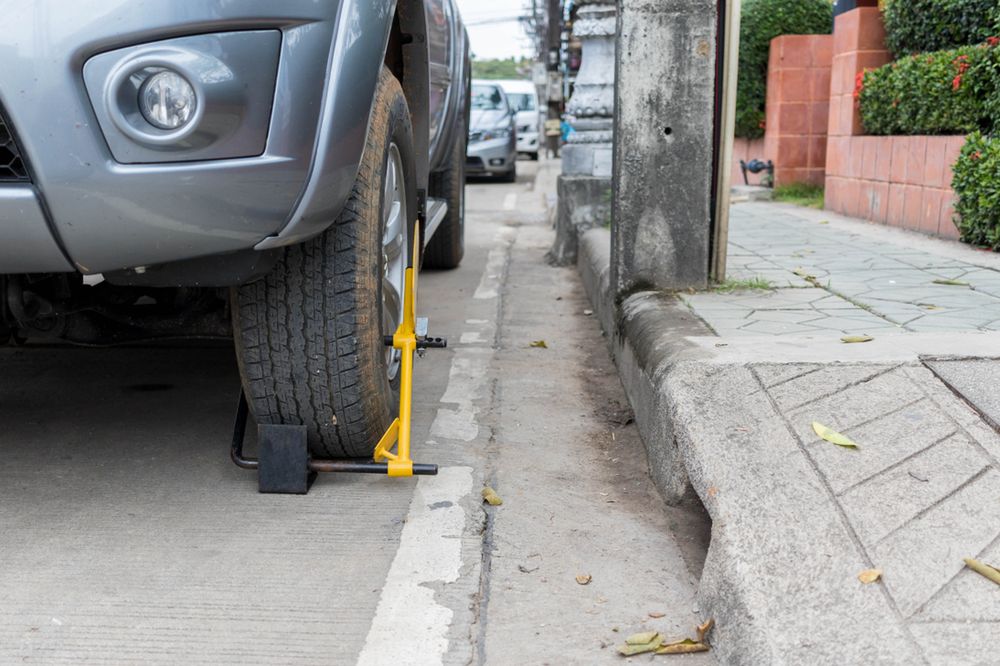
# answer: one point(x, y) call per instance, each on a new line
point(447, 246)
point(309, 336)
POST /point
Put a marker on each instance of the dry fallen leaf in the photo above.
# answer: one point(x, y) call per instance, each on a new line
point(856, 338)
point(685, 646)
point(642, 638)
point(712, 491)
point(869, 575)
point(952, 283)
point(833, 436)
point(704, 628)
point(583, 579)
point(984, 569)
point(490, 497)
point(539, 344)
point(647, 641)
point(804, 274)
point(656, 614)
point(928, 306)
point(824, 221)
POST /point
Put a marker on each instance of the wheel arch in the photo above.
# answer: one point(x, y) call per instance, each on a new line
point(392, 31)
point(407, 58)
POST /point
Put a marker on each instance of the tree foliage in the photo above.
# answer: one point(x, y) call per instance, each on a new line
point(501, 68)
point(919, 26)
point(762, 21)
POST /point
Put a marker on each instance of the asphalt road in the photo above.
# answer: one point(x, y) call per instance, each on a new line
point(127, 536)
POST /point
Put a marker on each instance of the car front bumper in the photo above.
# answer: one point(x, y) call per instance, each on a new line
point(495, 156)
point(88, 209)
point(527, 142)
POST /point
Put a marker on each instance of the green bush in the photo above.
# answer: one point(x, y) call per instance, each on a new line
point(945, 92)
point(976, 181)
point(762, 21)
point(920, 26)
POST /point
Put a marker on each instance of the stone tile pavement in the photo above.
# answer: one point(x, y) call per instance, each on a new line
point(831, 275)
point(795, 518)
point(920, 493)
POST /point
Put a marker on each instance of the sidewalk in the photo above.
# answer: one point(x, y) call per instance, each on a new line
point(730, 408)
point(836, 275)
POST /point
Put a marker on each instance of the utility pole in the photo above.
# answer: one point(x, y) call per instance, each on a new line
point(553, 43)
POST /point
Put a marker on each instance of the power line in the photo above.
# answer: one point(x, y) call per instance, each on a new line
point(491, 21)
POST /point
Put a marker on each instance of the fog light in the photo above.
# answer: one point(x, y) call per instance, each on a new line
point(497, 161)
point(167, 100)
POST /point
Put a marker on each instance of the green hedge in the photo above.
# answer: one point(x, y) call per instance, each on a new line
point(920, 26)
point(762, 21)
point(946, 92)
point(977, 184)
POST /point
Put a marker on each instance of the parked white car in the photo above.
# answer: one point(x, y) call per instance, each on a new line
point(523, 99)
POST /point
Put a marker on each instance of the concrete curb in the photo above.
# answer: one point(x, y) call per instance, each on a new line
point(780, 577)
point(646, 342)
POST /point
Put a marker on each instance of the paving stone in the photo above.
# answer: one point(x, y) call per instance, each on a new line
point(787, 316)
point(780, 574)
point(776, 328)
point(815, 385)
point(968, 597)
point(882, 443)
point(859, 322)
point(887, 501)
point(771, 374)
point(847, 406)
point(977, 381)
point(924, 555)
point(964, 415)
point(959, 644)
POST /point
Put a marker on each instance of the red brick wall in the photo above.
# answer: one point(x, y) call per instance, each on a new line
point(798, 102)
point(901, 181)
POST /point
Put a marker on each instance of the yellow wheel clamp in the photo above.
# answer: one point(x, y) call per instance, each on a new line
point(283, 464)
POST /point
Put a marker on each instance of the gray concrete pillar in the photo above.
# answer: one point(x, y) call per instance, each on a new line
point(584, 187)
point(663, 145)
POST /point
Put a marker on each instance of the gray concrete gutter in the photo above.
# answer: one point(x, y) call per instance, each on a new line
point(795, 518)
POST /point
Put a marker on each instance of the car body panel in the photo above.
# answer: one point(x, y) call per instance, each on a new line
point(26, 246)
point(523, 97)
point(108, 215)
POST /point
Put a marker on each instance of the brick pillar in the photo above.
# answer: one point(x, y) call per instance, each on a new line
point(858, 44)
point(798, 102)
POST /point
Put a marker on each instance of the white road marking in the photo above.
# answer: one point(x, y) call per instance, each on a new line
point(489, 284)
point(510, 201)
point(410, 626)
point(471, 338)
point(465, 381)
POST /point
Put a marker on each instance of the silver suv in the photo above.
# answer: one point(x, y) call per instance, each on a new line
point(252, 169)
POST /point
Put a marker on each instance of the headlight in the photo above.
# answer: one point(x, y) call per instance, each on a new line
point(496, 133)
point(167, 100)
